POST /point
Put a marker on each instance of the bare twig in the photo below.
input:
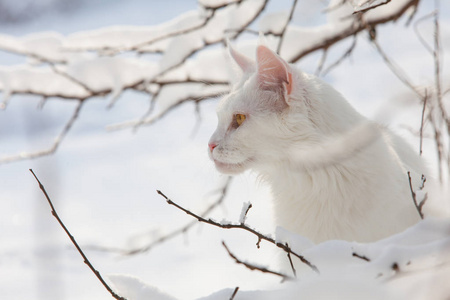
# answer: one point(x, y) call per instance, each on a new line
point(283, 31)
point(366, 9)
point(53, 148)
point(291, 262)
point(437, 68)
point(74, 242)
point(343, 57)
point(432, 116)
point(419, 35)
point(152, 119)
point(422, 121)
point(223, 191)
point(323, 58)
point(71, 78)
point(395, 68)
point(334, 7)
point(354, 254)
point(234, 293)
point(247, 209)
point(243, 227)
point(419, 206)
point(185, 228)
point(254, 267)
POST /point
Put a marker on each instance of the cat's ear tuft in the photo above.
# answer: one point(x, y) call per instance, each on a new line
point(246, 64)
point(273, 71)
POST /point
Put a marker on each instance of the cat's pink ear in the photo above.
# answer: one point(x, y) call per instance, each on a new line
point(246, 64)
point(273, 71)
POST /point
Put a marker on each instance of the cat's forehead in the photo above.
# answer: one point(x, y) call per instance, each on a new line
point(241, 100)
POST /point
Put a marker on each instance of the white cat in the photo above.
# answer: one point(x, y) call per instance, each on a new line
point(333, 173)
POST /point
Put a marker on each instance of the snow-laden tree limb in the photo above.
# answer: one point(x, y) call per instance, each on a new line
point(186, 68)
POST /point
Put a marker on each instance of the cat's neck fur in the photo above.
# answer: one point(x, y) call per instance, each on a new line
point(325, 201)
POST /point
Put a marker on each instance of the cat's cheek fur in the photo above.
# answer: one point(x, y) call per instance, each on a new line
point(230, 156)
point(231, 169)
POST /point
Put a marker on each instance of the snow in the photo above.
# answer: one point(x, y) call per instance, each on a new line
point(295, 241)
point(44, 45)
point(110, 73)
point(23, 78)
point(133, 288)
point(273, 23)
point(215, 59)
point(343, 276)
point(385, 10)
point(174, 94)
point(215, 3)
point(126, 36)
point(214, 31)
point(245, 208)
point(339, 22)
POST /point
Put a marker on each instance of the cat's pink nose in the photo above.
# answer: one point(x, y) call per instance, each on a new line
point(212, 146)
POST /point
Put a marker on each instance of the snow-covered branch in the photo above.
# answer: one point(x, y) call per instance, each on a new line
point(89, 64)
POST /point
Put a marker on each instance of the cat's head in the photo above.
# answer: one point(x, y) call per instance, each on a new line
point(265, 112)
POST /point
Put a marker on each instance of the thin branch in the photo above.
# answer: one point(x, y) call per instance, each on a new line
point(223, 193)
point(291, 262)
point(437, 68)
point(149, 111)
point(153, 119)
point(53, 148)
point(210, 10)
point(207, 43)
point(336, 6)
point(365, 258)
point(419, 206)
point(422, 122)
point(395, 68)
point(254, 267)
point(243, 227)
point(363, 10)
point(198, 118)
point(283, 31)
point(353, 29)
point(32, 55)
point(71, 78)
point(438, 136)
point(234, 293)
point(343, 57)
point(323, 58)
point(155, 95)
point(74, 242)
point(419, 35)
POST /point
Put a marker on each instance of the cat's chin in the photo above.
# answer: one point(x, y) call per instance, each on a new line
point(230, 168)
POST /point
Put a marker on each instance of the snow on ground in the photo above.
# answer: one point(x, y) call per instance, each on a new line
point(103, 186)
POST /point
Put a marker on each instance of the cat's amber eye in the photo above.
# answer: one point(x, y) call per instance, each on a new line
point(239, 118)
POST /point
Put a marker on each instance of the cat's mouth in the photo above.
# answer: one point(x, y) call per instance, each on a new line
point(232, 168)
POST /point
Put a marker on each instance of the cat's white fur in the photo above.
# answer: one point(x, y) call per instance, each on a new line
point(333, 173)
